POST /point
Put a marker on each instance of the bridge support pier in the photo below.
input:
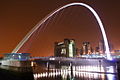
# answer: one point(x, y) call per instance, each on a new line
point(48, 67)
point(71, 68)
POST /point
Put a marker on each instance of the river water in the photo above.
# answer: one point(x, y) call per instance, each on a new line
point(73, 73)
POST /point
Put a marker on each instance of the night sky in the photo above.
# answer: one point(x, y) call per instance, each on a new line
point(18, 17)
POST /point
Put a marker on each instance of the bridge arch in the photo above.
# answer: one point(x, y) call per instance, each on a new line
point(29, 34)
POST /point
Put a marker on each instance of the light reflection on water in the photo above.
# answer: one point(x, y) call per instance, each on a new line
point(67, 74)
point(77, 73)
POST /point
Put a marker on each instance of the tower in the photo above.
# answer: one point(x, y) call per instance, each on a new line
point(101, 47)
point(86, 48)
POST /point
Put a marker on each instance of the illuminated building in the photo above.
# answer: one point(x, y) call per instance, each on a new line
point(86, 48)
point(81, 51)
point(101, 47)
point(97, 50)
point(116, 51)
point(111, 47)
point(16, 60)
point(65, 49)
point(16, 56)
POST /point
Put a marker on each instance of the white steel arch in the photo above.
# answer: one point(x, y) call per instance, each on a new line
point(51, 14)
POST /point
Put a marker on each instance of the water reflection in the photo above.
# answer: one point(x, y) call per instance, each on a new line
point(67, 74)
point(76, 73)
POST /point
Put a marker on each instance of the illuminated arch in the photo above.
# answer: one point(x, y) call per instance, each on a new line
point(51, 14)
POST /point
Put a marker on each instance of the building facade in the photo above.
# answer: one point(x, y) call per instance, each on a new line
point(101, 47)
point(86, 48)
point(66, 48)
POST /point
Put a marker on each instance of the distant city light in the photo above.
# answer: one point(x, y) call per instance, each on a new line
point(52, 58)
